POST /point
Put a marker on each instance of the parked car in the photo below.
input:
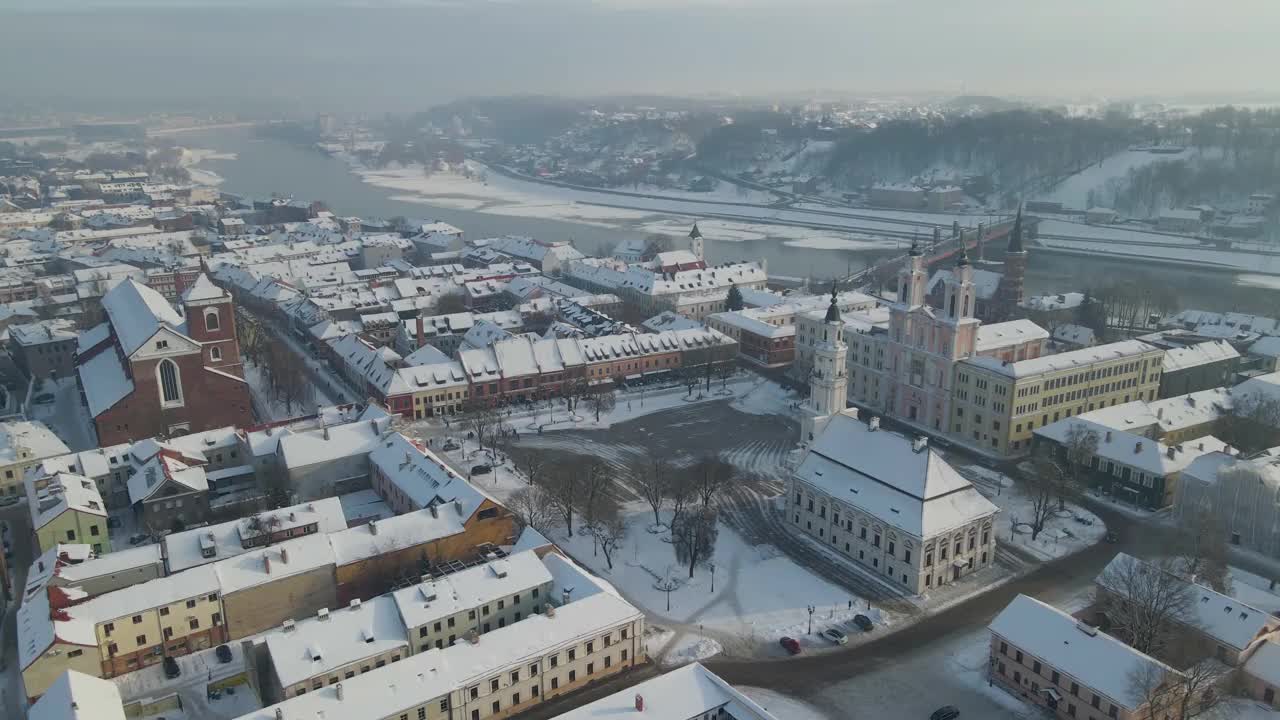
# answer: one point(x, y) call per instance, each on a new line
point(791, 645)
point(481, 469)
point(171, 669)
point(946, 712)
point(42, 399)
point(224, 654)
point(451, 445)
point(138, 539)
point(835, 636)
point(8, 500)
point(863, 623)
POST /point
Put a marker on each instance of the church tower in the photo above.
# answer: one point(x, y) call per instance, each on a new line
point(829, 378)
point(1010, 292)
point(960, 295)
point(695, 242)
point(913, 278)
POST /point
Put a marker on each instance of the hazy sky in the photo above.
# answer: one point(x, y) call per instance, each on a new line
point(407, 54)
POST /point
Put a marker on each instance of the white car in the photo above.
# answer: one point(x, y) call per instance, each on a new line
point(835, 636)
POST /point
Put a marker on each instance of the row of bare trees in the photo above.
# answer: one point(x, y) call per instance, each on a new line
point(283, 371)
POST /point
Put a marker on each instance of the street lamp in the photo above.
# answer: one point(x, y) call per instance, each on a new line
point(667, 585)
point(713, 577)
point(811, 609)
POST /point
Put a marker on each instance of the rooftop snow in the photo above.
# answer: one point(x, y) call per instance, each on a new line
point(1098, 661)
point(1006, 334)
point(688, 692)
point(104, 381)
point(31, 435)
point(203, 289)
point(882, 473)
point(1084, 357)
point(136, 312)
point(321, 644)
point(250, 568)
point(380, 537)
point(184, 549)
point(63, 492)
point(1134, 450)
point(1183, 358)
point(422, 477)
point(470, 588)
point(76, 696)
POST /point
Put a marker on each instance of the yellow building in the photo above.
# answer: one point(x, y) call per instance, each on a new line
point(996, 405)
point(67, 508)
point(23, 443)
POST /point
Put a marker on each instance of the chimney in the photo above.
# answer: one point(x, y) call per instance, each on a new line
point(1159, 413)
point(284, 556)
point(354, 604)
point(435, 512)
point(338, 689)
point(550, 610)
point(1108, 436)
point(293, 516)
point(639, 703)
point(373, 527)
point(919, 444)
point(287, 626)
point(421, 335)
point(279, 714)
point(873, 424)
point(325, 431)
point(1137, 447)
point(1169, 451)
point(322, 614)
point(266, 563)
point(564, 596)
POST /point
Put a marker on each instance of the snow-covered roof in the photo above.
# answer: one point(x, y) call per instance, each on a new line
point(1265, 664)
point(1134, 450)
point(1006, 334)
point(1095, 659)
point(426, 355)
point(76, 696)
point(301, 448)
point(1266, 347)
point(1074, 334)
point(203, 289)
point(1075, 359)
point(985, 282)
point(187, 549)
point(433, 599)
point(22, 440)
point(44, 331)
point(109, 563)
point(136, 312)
point(262, 565)
point(335, 638)
point(1261, 386)
point(688, 692)
point(154, 593)
point(1062, 301)
point(1189, 356)
point(162, 470)
point(104, 381)
point(669, 320)
point(903, 482)
point(1223, 618)
point(1180, 215)
point(61, 493)
point(429, 675)
point(379, 537)
point(39, 628)
point(422, 477)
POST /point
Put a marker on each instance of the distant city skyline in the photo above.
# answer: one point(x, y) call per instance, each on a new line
point(410, 54)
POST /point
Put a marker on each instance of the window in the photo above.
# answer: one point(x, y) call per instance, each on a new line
point(1096, 702)
point(496, 706)
point(191, 603)
point(1035, 667)
point(493, 685)
point(1004, 648)
point(1113, 711)
point(217, 618)
point(1018, 655)
point(533, 669)
point(170, 385)
point(93, 530)
point(211, 319)
point(475, 692)
point(1055, 677)
point(168, 633)
point(573, 654)
point(215, 354)
point(422, 713)
point(164, 612)
point(624, 654)
point(515, 677)
point(137, 619)
point(444, 705)
point(141, 640)
point(515, 698)
point(195, 624)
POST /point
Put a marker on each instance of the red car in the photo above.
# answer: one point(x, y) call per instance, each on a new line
point(791, 645)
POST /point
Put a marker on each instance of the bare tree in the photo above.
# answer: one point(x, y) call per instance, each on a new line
point(650, 481)
point(725, 371)
point(1204, 551)
point(449, 303)
point(596, 492)
point(564, 487)
point(1144, 601)
point(691, 380)
point(1169, 694)
point(711, 476)
point(573, 391)
point(289, 380)
point(693, 537)
point(1081, 444)
point(600, 401)
point(609, 530)
point(1042, 488)
point(680, 491)
point(482, 421)
point(1251, 421)
point(534, 507)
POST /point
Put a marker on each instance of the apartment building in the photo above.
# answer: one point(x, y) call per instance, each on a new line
point(1072, 670)
point(67, 509)
point(999, 403)
point(212, 543)
point(592, 637)
point(23, 444)
point(44, 349)
point(77, 696)
point(443, 610)
point(891, 504)
point(78, 566)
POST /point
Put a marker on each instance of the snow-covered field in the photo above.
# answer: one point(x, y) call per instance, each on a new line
point(1063, 534)
point(1073, 192)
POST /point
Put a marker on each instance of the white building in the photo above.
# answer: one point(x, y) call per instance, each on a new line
point(689, 693)
point(890, 503)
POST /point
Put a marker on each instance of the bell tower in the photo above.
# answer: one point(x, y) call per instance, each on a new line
point(695, 242)
point(829, 379)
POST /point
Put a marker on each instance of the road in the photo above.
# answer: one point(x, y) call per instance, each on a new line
point(66, 415)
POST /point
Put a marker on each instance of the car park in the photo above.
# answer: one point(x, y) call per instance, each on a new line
point(836, 636)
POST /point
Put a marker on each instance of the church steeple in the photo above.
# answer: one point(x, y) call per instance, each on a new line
point(695, 242)
point(833, 312)
point(963, 261)
point(1015, 237)
point(915, 246)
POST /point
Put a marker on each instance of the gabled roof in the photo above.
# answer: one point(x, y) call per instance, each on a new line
point(136, 312)
point(203, 289)
point(162, 470)
point(61, 493)
point(76, 696)
point(327, 642)
point(423, 478)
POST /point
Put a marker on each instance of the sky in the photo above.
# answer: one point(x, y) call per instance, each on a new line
point(349, 55)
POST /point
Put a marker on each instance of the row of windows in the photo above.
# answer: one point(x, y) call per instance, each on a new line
point(1054, 677)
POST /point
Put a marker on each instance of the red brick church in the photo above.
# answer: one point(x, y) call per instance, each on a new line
point(154, 370)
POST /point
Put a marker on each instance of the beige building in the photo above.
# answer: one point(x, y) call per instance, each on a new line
point(23, 444)
point(495, 675)
point(1072, 670)
point(890, 503)
point(997, 405)
point(67, 508)
point(689, 693)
